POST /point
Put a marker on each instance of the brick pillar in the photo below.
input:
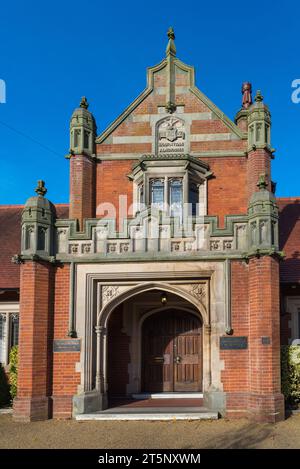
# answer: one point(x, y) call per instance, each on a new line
point(35, 342)
point(259, 162)
point(266, 403)
point(82, 188)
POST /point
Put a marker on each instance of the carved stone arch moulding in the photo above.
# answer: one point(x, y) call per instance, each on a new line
point(112, 295)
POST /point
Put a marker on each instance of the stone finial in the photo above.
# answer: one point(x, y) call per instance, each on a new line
point(171, 49)
point(41, 189)
point(258, 97)
point(247, 95)
point(84, 103)
point(171, 34)
point(262, 182)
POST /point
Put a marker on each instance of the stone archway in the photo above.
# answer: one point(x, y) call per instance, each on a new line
point(188, 303)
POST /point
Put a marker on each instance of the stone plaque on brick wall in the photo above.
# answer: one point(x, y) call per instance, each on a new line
point(171, 136)
point(66, 345)
point(233, 343)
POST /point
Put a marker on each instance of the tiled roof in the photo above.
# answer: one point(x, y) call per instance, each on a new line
point(10, 241)
point(289, 238)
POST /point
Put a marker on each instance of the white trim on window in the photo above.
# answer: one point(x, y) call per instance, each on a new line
point(293, 307)
point(7, 310)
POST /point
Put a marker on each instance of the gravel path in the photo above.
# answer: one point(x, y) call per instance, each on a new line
point(147, 435)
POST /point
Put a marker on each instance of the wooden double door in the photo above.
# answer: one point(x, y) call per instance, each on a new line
point(172, 352)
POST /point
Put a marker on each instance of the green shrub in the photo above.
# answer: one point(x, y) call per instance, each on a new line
point(4, 388)
point(290, 373)
point(13, 371)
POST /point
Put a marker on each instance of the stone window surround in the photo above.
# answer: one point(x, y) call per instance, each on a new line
point(8, 309)
point(174, 169)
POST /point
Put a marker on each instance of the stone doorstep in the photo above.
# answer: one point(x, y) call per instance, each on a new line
point(151, 414)
point(6, 410)
point(169, 395)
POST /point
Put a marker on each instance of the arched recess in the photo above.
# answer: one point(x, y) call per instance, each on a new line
point(106, 311)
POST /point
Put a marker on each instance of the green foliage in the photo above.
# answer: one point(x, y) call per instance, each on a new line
point(4, 388)
point(290, 373)
point(13, 371)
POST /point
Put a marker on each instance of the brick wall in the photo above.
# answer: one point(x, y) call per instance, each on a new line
point(65, 377)
point(82, 188)
point(112, 182)
point(36, 327)
point(265, 399)
point(235, 376)
point(226, 192)
point(259, 162)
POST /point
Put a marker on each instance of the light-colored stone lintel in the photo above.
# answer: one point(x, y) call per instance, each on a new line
point(219, 154)
point(205, 154)
point(184, 256)
point(213, 137)
point(178, 89)
point(133, 139)
point(197, 116)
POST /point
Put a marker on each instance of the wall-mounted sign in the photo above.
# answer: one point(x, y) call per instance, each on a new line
point(66, 345)
point(233, 343)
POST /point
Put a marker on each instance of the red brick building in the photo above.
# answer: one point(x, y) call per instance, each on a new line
point(165, 273)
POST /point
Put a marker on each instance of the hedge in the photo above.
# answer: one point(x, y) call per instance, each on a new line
point(13, 371)
point(290, 373)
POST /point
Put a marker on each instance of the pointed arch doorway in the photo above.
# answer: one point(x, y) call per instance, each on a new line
point(172, 352)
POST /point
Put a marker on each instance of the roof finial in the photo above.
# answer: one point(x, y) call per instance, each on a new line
point(171, 34)
point(258, 97)
point(84, 103)
point(171, 49)
point(41, 189)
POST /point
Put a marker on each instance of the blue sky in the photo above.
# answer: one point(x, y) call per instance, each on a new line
point(52, 53)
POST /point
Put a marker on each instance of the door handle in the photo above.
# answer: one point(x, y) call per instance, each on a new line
point(177, 359)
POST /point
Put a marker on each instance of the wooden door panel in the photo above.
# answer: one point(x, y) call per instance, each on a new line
point(186, 372)
point(167, 337)
point(158, 354)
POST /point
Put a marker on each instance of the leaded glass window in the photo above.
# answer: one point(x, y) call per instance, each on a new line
point(176, 202)
point(14, 340)
point(157, 193)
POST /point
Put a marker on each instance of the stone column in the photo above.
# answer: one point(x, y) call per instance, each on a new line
point(96, 399)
